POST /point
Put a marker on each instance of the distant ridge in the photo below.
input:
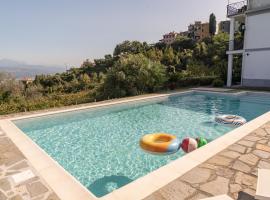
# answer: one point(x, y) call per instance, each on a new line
point(22, 69)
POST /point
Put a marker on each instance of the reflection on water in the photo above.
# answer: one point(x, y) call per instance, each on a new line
point(209, 123)
point(107, 184)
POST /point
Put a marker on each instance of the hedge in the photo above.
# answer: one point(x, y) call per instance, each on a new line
point(195, 81)
point(44, 102)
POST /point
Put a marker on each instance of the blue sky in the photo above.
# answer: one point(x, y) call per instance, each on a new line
point(59, 32)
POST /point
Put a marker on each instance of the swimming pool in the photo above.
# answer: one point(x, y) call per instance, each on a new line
point(100, 147)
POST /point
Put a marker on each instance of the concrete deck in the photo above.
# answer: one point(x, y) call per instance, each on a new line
point(18, 179)
point(211, 89)
point(232, 171)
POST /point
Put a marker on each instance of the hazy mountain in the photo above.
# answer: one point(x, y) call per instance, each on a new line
point(21, 69)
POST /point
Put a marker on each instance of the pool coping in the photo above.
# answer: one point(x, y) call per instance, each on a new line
point(68, 188)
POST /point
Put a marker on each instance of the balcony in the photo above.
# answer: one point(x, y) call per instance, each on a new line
point(237, 8)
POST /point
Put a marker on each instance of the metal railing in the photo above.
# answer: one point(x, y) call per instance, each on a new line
point(237, 8)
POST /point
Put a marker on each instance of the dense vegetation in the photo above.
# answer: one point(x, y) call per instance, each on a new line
point(134, 68)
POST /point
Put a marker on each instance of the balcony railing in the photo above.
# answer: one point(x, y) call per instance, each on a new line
point(237, 8)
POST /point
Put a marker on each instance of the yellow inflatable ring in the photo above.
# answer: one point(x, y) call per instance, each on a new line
point(160, 143)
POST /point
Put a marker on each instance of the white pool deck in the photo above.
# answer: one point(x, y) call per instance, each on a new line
point(68, 188)
point(263, 185)
point(221, 197)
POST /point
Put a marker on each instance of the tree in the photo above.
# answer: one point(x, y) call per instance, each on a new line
point(98, 66)
point(87, 63)
point(133, 74)
point(84, 81)
point(9, 87)
point(200, 51)
point(212, 24)
point(168, 57)
point(154, 54)
point(184, 58)
point(220, 45)
point(133, 47)
point(197, 69)
point(183, 42)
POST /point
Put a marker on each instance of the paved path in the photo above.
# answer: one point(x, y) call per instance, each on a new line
point(232, 171)
point(13, 162)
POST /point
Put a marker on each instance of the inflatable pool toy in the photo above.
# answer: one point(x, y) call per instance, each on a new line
point(234, 120)
point(201, 141)
point(189, 144)
point(160, 143)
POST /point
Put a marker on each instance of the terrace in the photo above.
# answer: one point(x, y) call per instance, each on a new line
point(229, 166)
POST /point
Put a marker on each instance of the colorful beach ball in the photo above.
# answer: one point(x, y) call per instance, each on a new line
point(201, 141)
point(189, 144)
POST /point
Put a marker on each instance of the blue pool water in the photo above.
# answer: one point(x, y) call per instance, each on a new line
point(101, 147)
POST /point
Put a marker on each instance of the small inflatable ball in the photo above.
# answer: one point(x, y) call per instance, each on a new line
point(201, 141)
point(189, 144)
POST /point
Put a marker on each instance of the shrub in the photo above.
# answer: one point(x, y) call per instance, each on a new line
point(206, 80)
point(218, 83)
point(195, 81)
point(20, 104)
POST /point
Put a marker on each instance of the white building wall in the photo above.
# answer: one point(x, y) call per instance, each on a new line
point(255, 4)
point(257, 65)
point(256, 68)
point(258, 31)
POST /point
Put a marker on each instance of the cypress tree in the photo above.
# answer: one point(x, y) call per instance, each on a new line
point(212, 24)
